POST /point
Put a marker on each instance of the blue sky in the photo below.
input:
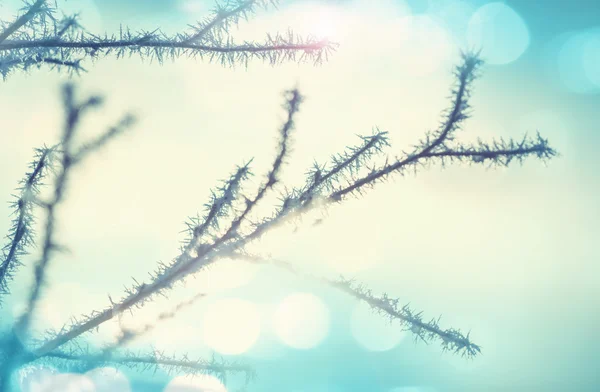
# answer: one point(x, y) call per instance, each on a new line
point(506, 253)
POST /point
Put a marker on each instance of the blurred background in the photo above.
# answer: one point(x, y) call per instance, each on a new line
point(509, 254)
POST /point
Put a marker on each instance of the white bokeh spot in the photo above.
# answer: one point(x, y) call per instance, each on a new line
point(194, 6)
point(64, 382)
point(109, 379)
point(427, 46)
point(374, 331)
point(201, 383)
point(35, 378)
point(578, 59)
point(499, 32)
point(301, 320)
point(591, 58)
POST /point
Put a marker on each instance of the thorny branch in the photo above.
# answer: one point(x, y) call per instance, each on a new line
point(38, 37)
point(69, 157)
point(155, 360)
point(452, 339)
point(21, 232)
point(348, 174)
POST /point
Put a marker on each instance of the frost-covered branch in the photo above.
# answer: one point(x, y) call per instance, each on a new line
point(70, 156)
point(409, 320)
point(30, 12)
point(231, 221)
point(21, 233)
point(183, 266)
point(292, 106)
point(433, 148)
point(223, 16)
point(127, 335)
point(39, 38)
point(157, 360)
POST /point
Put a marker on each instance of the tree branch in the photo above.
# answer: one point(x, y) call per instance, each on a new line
point(69, 158)
point(33, 10)
point(321, 189)
point(21, 232)
point(452, 339)
point(66, 43)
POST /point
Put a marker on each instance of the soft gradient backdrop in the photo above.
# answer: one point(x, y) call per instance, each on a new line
point(510, 254)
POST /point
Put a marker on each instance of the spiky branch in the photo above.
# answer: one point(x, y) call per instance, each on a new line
point(38, 37)
point(430, 149)
point(231, 222)
point(409, 320)
point(21, 233)
point(70, 157)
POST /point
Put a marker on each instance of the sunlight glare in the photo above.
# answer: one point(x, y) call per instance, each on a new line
point(319, 20)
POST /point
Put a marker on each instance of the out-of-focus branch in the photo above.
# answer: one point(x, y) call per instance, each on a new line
point(128, 335)
point(156, 360)
point(349, 173)
point(70, 156)
point(410, 320)
point(182, 266)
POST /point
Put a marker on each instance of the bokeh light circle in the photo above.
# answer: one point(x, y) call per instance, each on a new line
point(301, 320)
point(591, 58)
point(231, 326)
point(67, 382)
point(34, 378)
point(428, 46)
point(374, 331)
point(109, 379)
point(200, 383)
point(499, 32)
point(577, 60)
